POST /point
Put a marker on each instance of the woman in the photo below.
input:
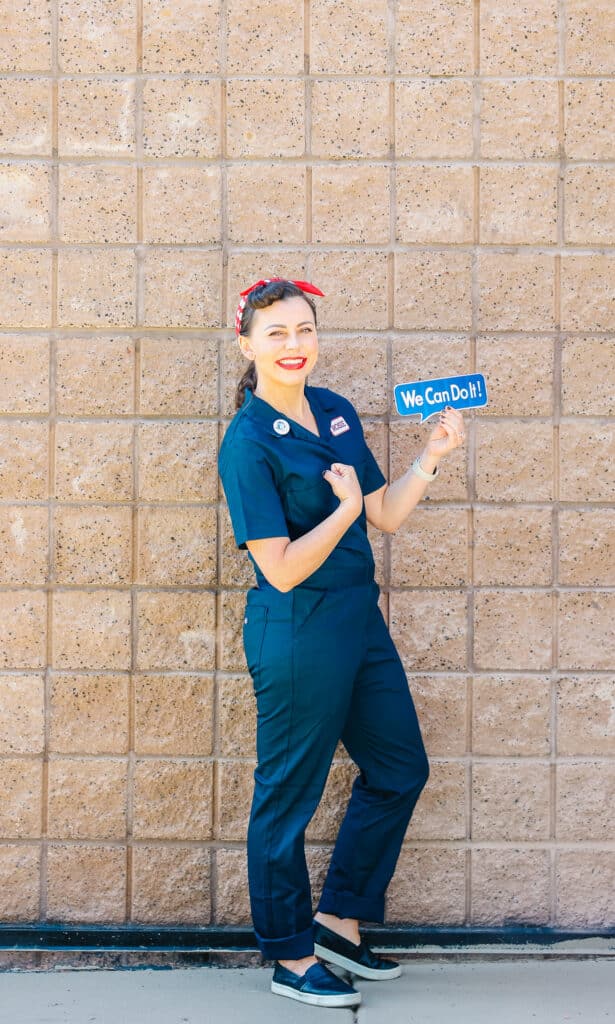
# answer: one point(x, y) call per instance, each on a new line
point(300, 483)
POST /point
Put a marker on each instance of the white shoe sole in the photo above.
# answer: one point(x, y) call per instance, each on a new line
point(308, 997)
point(369, 973)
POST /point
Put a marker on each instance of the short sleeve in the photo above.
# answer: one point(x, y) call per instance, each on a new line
point(254, 503)
point(373, 477)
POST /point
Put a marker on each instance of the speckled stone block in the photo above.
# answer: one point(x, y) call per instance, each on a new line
point(181, 205)
point(585, 473)
point(431, 549)
point(237, 569)
point(588, 292)
point(356, 285)
point(518, 371)
point(362, 359)
point(182, 288)
point(519, 119)
point(332, 806)
point(407, 440)
point(94, 461)
point(348, 38)
point(23, 628)
point(499, 473)
point(99, 36)
point(178, 459)
point(434, 204)
point(586, 547)
point(24, 448)
point(585, 719)
point(418, 356)
point(518, 205)
point(179, 377)
point(181, 37)
point(176, 630)
point(586, 630)
point(350, 118)
point(25, 199)
point(433, 118)
point(265, 118)
point(512, 629)
point(585, 807)
point(25, 114)
point(22, 723)
point(428, 887)
point(518, 40)
point(585, 887)
point(87, 798)
point(512, 547)
point(97, 203)
point(172, 799)
point(171, 885)
point(441, 811)
point(86, 882)
point(93, 544)
point(441, 704)
point(27, 303)
point(236, 714)
point(265, 37)
point(434, 38)
point(590, 37)
point(233, 903)
point(96, 116)
point(589, 119)
point(24, 374)
point(174, 715)
point(350, 203)
point(429, 629)
point(181, 118)
point(279, 216)
point(234, 798)
point(589, 205)
point(24, 544)
point(91, 629)
point(177, 546)
point(20, 867)
point(497, 701)
point(95, 378)
point(97, 288)
point(25, 36)
point(22, 784)
point(510, 801)
point(588, 368)
point(88, 714)
point(516, 291)
point(232, 604)
point(510, 886)
point(433, 290)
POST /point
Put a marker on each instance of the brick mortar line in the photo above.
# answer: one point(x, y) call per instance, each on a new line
point(127, 160)
point(313, 77)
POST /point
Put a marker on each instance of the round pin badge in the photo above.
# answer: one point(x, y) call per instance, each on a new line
point(281, 426)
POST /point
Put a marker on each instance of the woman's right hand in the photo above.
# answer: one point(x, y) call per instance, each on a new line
point(345, 485)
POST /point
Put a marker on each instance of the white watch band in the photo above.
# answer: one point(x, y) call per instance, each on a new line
point(418, 469)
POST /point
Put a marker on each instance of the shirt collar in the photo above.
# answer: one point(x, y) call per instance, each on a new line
point(319, 398)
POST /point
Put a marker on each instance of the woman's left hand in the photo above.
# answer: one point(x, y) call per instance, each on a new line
point(448, 434)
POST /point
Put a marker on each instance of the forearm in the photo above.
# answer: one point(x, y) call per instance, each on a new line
point(305, 555)
point(404, 494)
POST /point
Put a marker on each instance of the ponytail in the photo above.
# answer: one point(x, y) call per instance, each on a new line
point(247, 383)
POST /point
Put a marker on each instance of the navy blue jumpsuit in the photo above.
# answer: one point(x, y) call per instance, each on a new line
point(324, 667)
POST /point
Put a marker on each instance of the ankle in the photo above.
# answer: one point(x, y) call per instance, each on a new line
point(347, 927)
point(299, 967)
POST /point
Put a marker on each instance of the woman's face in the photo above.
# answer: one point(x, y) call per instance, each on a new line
point(282, 342)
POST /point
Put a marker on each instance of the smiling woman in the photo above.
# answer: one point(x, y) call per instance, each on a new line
point(301, 485)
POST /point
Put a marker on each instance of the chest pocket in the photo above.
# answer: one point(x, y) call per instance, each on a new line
point(307, 503)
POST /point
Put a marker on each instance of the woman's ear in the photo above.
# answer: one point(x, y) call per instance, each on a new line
point(244, 345)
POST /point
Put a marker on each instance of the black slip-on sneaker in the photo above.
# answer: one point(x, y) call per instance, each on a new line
point(359, 960)
point(318, 986)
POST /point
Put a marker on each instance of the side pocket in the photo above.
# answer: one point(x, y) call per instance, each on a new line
point(254, 625)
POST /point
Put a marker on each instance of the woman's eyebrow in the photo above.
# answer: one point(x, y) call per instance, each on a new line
point(302, 324)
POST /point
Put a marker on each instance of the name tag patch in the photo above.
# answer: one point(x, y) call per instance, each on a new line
point(339, 426)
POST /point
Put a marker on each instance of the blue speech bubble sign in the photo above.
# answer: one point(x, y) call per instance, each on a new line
point(425, 398)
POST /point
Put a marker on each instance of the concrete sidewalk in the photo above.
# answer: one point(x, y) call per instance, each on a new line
point(502, 992)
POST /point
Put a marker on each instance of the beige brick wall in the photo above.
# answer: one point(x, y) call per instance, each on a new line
point(445, 170)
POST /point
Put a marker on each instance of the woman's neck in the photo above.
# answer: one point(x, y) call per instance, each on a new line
point(290, 402)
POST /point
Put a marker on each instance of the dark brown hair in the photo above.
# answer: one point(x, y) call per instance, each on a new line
point(259, 298)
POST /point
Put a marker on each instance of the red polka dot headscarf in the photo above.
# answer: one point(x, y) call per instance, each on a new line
point(305, 286)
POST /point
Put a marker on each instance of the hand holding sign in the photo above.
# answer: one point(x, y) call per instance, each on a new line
point(426, 398)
